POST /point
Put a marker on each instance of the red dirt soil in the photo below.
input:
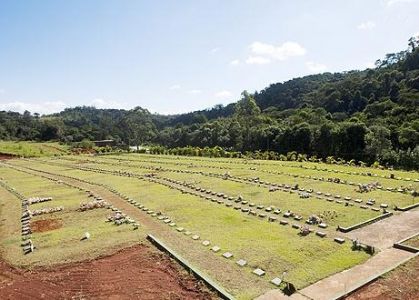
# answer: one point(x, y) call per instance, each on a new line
point(401, 283)
point(46, 225)
point(136, 272)
point(4, 156)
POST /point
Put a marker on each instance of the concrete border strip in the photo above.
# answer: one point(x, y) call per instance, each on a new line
point(362, 224)
point(372, 278)
point(209, 282)
point(399, 244)
point(406, 208)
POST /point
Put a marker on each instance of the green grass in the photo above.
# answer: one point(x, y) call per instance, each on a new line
point(346, 215)
point(240, 169)
point(270, 246)
point(32, 149)
point(63, 244)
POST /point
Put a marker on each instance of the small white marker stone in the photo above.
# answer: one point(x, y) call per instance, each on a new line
point(228, 255)
point(276, 281)
point(206, 243)
point(258, 272)
point(195, 237)
point(215, 249)
point(241, 262)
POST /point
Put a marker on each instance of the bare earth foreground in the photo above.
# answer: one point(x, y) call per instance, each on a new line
point(401, 283)
point(133, 273)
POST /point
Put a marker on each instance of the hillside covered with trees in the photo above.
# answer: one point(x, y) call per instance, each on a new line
point(370, 115)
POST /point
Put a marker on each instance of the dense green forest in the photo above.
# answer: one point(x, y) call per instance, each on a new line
point(370, 115)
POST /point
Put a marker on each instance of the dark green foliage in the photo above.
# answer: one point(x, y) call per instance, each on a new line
point(370, 115)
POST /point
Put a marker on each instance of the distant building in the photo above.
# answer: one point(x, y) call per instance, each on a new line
point(104, 143)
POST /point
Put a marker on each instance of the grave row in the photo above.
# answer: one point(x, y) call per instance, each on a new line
point(275, 281)
point(367, 174)
point(169, 221)
point(34, 200)
point(126, 219)
point(303, 193)
point(362, 187)
point(26, 244)
point(272, 186)
point(250, 211)
point(260, 211)
point(97, 202)
point(330, 180)
point(287, 214)
point(46, 210)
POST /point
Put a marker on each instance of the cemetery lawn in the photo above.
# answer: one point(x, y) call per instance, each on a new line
point(62, 244)
point(292, 173)
point(277, 249)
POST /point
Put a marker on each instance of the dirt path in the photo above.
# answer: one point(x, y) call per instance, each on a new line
point(137, 272)
point(385, 233)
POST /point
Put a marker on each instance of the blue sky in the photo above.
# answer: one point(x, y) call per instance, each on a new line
point(178, 56)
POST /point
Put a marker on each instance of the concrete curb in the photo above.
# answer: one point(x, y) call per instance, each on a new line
point(406, 208)
point(372, 278)
point(214, 286)
point(368, 222)
point(399, 244)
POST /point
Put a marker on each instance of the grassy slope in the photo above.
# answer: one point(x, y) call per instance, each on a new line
point(32, 149)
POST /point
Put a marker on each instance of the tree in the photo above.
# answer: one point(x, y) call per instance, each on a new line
point(377, 141)
point(247, 107)
point(358, 102)
point(247, 113)
point(394, 92)
point(138, 127)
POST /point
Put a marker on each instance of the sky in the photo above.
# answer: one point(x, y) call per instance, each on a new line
point(177, 56)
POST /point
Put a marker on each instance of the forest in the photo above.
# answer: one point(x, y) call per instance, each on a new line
point(370, 115)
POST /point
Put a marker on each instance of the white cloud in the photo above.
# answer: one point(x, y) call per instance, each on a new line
point(257, 60)
point(280, 52)
point(215, 50)
point(370, 65)
point(235, 62)
point(366, 25)
point(175, 87)
point(47, 107)
point(316, 67)
point(195, 92)
point(223, 94)
point(102, 103)
point(394, 2)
